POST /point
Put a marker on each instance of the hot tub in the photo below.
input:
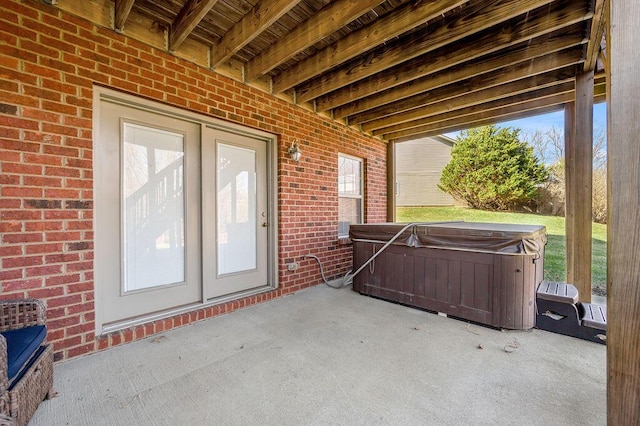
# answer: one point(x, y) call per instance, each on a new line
point(483, 272)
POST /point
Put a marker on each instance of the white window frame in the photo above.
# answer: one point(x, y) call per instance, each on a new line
point(342, 233)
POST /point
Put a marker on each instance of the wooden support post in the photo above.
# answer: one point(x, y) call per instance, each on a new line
point(569, 188)
point(623, 253)
point(582, 182)
point(391, 181)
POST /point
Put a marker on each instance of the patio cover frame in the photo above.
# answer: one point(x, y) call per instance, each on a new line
point(622, 18)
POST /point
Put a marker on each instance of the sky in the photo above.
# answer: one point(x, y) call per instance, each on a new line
point(546, 121)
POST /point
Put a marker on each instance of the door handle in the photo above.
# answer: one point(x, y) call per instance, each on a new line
point(265, 224)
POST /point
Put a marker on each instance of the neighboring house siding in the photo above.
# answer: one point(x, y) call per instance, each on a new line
point(419, 165)
point(49, 62)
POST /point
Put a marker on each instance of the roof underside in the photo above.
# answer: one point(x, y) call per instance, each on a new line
point(398, 69)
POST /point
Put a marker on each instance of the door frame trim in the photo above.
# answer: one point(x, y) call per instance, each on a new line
point(100, 94)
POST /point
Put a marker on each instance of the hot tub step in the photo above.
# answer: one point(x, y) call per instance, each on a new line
point(559, 292)
point(595, 316)
point(559, 311)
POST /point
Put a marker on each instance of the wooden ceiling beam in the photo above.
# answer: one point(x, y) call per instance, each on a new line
point(541, 46)
point(515, 107)
point(595, 35)
point(405, 18)
point(472, 122)
point(513, 73)
point(121, 13)
point(524, 85)
point(492, 40)
point(188, 18)
point(477, 17)
point(325, 22)
point(497, 116)
point(466, 117)
point(262, 16)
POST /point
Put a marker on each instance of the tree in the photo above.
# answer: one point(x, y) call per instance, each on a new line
point(549, 148)
point(492, 169)
point(547, 145)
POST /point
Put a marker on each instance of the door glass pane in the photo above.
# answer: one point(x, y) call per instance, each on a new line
point(236, 210)
point(153, 203)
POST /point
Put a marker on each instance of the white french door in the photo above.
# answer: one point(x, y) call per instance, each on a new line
point(181, 214)
point(235, 218)
point(147, 213)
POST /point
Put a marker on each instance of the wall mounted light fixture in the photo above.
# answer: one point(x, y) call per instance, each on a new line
point(294, 151)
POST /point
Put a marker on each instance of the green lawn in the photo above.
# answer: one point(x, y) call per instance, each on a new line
point(554, 262)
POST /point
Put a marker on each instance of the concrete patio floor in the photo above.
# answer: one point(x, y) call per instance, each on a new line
point(325, 356)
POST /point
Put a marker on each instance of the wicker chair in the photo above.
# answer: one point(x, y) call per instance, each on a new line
point(22, 392)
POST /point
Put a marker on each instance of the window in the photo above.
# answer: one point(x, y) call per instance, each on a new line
point(349, 193)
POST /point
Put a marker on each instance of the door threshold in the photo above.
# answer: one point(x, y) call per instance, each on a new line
point(155, 316)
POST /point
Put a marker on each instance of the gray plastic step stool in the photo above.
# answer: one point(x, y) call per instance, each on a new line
point(559, 310)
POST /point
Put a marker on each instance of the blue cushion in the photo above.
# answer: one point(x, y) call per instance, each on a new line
point(21, 344)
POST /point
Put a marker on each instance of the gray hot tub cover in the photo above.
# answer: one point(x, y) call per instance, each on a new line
point(486, 237)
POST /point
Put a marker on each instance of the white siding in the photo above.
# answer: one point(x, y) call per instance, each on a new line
point(419, 164)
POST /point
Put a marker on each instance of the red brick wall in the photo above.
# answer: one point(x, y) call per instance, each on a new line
point(49, 62)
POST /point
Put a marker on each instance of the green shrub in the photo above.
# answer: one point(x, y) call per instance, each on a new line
point(492, 169)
